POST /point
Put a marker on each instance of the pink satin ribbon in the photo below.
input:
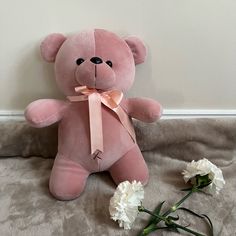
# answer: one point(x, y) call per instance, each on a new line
point(110, 99)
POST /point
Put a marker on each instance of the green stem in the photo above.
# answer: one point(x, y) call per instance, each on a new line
point(176, 205)
point(152, 227)
point(187, 229)
point(142, 209)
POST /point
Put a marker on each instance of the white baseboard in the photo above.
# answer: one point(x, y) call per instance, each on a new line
point(198, 113)
point(167, 114)
point(11, 115)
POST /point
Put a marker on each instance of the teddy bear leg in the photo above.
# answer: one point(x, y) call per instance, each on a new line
point(67, 180)
point(130, 167)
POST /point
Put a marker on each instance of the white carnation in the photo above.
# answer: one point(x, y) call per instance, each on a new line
point(204, 167)
point(124, 203)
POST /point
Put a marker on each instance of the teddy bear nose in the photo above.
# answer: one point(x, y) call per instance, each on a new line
point(96, 60)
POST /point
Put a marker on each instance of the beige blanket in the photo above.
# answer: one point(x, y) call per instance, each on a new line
point(28, 209)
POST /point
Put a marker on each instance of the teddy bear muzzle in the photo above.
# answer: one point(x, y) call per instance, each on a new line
point(95, 73)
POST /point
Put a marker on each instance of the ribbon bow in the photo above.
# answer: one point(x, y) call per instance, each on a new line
point(110, 99)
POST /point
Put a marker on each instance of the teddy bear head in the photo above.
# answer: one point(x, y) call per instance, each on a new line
point(94, 58)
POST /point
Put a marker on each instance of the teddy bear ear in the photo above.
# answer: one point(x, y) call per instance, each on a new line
point(138, 49)
point(51, 45)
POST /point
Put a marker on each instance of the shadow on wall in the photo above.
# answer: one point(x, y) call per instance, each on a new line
point(34, 78)
point(143, 84)
point(146, 85)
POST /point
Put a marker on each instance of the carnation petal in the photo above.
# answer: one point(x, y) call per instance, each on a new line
point(205, 167)
point(124, 203)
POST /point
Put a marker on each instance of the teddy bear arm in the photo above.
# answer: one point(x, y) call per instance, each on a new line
point(44, 112)
point(144, 109)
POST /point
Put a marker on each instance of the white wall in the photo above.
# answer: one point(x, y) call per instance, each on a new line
point(191, 43)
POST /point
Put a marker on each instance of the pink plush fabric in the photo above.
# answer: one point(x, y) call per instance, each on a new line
point(51, 45)
point(75, 65)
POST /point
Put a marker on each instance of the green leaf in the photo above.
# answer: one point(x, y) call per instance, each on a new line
point(173, 218)
point(202, 216)
point(158, 208)
point(202, 181)
point(153, 219)
point(210, 222)
point(190, 211)
point(204, 185)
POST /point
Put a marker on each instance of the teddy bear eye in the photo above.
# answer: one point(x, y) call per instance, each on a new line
point(79, 61)
point(109, 63)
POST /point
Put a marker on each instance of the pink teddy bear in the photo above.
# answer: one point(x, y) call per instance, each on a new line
point(93, 68)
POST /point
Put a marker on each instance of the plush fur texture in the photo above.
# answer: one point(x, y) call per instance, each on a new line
point(168, 145)
point(121, 156)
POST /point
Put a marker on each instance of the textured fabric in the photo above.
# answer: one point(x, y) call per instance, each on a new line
point(27, 208)
point(19, 139)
